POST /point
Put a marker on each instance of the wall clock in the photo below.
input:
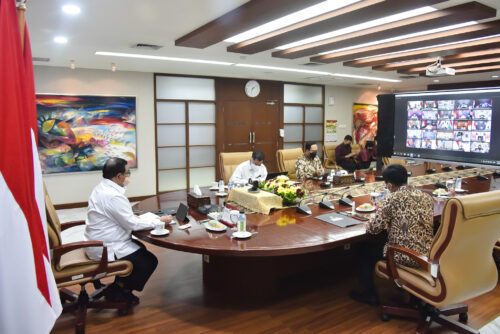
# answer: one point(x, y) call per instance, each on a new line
point(252, 88)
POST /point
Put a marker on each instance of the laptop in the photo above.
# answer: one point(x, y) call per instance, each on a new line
point(181, 214)
point(275, 175)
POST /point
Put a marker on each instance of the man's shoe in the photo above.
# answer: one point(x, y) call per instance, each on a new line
point(364, 297)
point(131, 298)
point(114, 293)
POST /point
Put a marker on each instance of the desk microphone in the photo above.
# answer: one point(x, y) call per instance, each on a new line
point(346, 201)
point(304, 209)
point(326, 204)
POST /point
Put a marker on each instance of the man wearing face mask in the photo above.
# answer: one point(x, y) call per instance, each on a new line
point(110, 219)
point(251, 169)
point(309, 165)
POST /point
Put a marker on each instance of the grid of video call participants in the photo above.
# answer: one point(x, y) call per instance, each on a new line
point(451, 125)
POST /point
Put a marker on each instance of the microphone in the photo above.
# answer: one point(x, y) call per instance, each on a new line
point(440, 184)
point(346, 201)
point(304, 209)
point(326, 204)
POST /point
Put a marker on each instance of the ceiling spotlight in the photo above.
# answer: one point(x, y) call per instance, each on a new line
point(494, 76)
point(113, 67)
point(71, 9)
point(72, 64)
point(60, 40)
point(435, 80)
point(379, 87)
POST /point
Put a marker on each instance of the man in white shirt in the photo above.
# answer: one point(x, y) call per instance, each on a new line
point(110, 219)
point(251, 169)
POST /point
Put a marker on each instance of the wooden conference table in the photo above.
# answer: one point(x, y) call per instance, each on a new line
point(283, 242)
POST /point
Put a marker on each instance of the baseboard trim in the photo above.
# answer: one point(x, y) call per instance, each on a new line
point(85, 204)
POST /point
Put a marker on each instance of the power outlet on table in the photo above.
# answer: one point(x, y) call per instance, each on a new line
point(347, 246)
point(206, 258)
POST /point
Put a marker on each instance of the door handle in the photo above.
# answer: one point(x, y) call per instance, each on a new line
point(253, 138)
point(250, 137)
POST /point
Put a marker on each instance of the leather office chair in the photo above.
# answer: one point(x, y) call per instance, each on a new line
point(389, 161)
point(458, 267)
point(228, 161)
point(355, 148)
point(286, 160)
point(71, 266)
point(329, 155)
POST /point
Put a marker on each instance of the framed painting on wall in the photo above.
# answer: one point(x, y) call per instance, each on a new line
point(364, 122)
point(80, 132)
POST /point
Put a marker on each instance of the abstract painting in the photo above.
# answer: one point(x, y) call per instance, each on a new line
point(79, 133)
point(365, 122)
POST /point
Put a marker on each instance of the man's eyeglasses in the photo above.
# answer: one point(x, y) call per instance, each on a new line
point(127, 173)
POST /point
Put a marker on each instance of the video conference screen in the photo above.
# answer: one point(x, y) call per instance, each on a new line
point(457, 126)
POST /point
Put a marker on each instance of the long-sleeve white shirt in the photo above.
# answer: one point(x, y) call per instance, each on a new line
point(247, 170)
point(110, 219)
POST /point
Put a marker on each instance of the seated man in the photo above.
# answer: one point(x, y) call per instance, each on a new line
point(308, 164)
point(110, 220)
point(407, 215)
point(344, 157)
point(367, 154)
point(251, 169)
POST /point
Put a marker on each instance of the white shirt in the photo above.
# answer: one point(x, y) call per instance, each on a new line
point(247, 170)
point(110, 219)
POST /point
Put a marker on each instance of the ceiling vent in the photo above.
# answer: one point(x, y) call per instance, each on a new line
point(144, 46)
point(41, 59)
point(408, 76)
point(312, 64)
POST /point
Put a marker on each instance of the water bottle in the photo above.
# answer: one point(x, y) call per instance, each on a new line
point(458, 183)
point(221, 186)
point(242, 224)
point(230, 186)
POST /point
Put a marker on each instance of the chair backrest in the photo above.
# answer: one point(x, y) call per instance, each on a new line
point(329, 155)
point(355, 148)
point(286, 160)
point(53, 223)
point(389, 161)
point(228, 161)
point(470, 227)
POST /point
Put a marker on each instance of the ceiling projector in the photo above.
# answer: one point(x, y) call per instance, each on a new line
point(436, 70)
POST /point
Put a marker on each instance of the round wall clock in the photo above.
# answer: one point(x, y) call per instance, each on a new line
point(252, 88)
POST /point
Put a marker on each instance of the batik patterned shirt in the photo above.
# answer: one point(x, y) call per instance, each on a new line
point(306, 168)
point(407, 215)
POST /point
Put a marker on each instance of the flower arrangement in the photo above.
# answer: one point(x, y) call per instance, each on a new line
point(283, 187)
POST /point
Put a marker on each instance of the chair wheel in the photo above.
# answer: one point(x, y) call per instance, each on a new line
point(463, 317)
point(385, 317)
point(123, 311)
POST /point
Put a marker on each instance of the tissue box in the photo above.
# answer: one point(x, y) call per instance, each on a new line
point(343, 179)
point(194, 201)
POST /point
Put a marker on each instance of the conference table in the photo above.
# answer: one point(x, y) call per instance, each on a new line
point(283, 243)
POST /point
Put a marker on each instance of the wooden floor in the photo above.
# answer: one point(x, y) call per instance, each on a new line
point(174, 301)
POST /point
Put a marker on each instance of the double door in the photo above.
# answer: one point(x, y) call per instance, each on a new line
point(250, 126)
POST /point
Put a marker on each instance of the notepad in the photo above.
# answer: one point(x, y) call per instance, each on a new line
point(338, 220)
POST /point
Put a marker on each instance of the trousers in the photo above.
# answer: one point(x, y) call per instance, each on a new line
point(144, 264)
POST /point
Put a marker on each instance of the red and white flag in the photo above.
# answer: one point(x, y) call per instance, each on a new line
point(29, 300)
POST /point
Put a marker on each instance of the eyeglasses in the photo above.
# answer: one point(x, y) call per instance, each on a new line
point(127, 173)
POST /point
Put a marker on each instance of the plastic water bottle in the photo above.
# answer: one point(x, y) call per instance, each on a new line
point(221, 186)
point(458, 183)
point(230, 186)
point(242, 224)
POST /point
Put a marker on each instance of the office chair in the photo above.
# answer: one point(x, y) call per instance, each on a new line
point(329, 154)
point(459, 266)
point(228, 161)
point(286, 160)
point(71, 266)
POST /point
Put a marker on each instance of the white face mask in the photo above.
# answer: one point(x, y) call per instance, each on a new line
point(126, 182)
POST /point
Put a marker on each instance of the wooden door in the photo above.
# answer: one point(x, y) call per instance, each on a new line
point(237, 126)
point(265, 122)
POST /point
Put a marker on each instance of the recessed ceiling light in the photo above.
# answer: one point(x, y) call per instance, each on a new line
point(436, 80)
point(134, 55)
point(71, 9)
point(363, 77)
point(60, 40)
point(361, 26)
point(494, 76)
point(301, 15)
point(286, 69)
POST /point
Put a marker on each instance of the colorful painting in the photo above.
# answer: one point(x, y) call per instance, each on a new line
point(79, 133)
point(365, 122)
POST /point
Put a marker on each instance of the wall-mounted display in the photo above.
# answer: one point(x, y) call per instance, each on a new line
point(79, 133)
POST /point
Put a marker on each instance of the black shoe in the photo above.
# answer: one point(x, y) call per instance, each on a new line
point(364, 297)
point(131, 298)
point(114, 293)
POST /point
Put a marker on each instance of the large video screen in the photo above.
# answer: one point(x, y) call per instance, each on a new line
point(458, 126)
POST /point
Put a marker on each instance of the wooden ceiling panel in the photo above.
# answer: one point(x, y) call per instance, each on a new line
point(344, 17)
point(449, 36)
point(243, 18)
point(446, 17)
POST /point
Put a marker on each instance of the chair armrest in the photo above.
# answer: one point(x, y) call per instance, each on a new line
point(422, 261)
point(65, 226)
point(101, 270)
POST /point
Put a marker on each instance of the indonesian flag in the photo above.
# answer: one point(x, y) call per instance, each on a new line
point(29, 301)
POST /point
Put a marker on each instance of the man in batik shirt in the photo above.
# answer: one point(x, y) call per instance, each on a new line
point(406, 214)
point(308, 164)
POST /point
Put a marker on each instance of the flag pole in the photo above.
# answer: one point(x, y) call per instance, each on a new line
point(21, 18)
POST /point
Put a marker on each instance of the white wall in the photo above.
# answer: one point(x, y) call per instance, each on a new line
point(76, 187)
point(341, 110)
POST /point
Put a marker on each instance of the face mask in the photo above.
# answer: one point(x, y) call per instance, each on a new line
point(312, 154)
point(126, 182)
